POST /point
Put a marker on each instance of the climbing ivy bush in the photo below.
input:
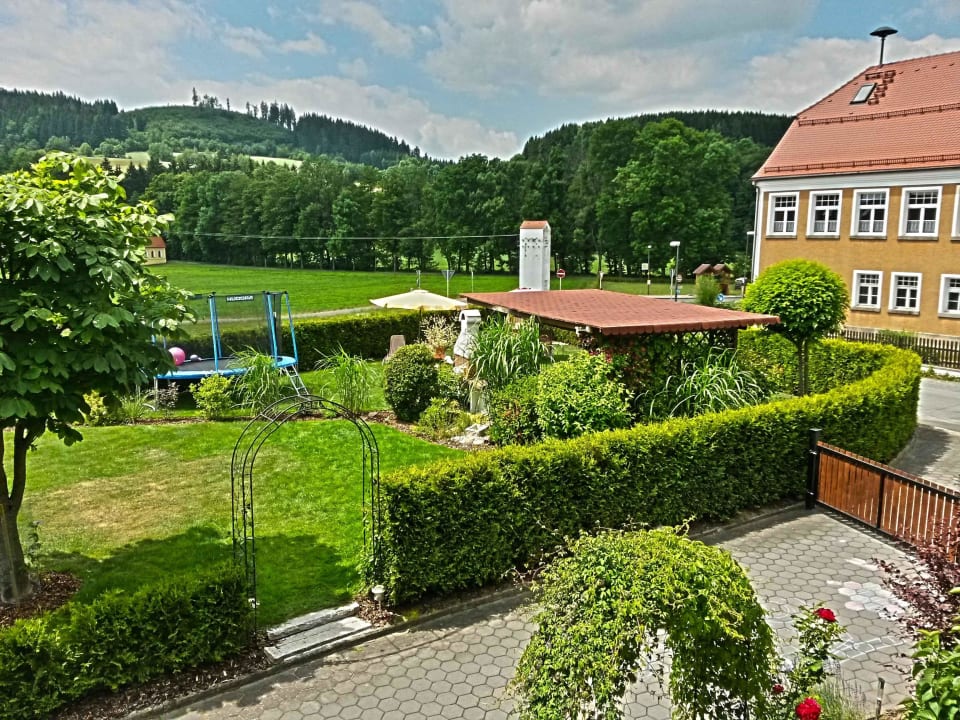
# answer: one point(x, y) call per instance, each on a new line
point(602, 608)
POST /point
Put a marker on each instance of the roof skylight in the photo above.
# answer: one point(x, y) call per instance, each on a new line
point(863, 94)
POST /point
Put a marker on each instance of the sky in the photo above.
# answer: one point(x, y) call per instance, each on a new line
point(455, 77)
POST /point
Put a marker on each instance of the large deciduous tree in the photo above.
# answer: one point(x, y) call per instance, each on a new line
point(809, 298)
point(78, 313)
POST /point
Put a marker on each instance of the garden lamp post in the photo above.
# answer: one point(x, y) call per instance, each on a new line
point(648, 268)
point(676, 271)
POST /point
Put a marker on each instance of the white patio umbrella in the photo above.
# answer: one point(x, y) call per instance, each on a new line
point(419, 299)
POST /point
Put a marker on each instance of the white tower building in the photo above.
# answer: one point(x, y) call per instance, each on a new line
point(535, 255)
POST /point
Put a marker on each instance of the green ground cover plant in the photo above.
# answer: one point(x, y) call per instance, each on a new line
point(318, 290)
point(458, 525)
point(167, 488)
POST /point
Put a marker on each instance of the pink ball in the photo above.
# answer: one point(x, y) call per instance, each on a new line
point(178, 356)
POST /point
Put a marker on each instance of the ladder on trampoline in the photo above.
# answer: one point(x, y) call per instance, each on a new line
point(295, 380)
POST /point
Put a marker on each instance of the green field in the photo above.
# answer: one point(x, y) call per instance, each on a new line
point(317, 290)
point(132, 505)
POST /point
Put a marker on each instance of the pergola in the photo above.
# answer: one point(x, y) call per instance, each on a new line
point(648, 337)
point(606, 313)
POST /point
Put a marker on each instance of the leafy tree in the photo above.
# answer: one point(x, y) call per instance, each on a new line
point(677, 188)
point(810, 300)
point(78, 313)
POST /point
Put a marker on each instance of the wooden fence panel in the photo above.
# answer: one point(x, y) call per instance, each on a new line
point(894, 502)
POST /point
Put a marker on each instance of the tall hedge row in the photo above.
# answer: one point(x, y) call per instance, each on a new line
point(119, 639)
point(363, 334)
point(460, 524)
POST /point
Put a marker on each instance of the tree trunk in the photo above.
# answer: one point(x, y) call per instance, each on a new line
point(803, 363)
point(14, 580)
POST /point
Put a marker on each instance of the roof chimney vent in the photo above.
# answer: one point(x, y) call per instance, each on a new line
point(882, 33)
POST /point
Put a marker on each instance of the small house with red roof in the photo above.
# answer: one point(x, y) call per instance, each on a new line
point(156, 251)
point(866, 181)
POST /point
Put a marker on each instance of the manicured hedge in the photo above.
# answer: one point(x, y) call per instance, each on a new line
point(365, 334)
point(119, 639)
point(457, 525)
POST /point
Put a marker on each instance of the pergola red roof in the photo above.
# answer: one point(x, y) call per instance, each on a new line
point(614, 313)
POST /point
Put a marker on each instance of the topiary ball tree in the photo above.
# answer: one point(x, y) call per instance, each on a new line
point(411, 381)
point(808, 297)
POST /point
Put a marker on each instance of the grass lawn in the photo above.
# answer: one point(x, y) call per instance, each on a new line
point(316, 290)
point(132, 505)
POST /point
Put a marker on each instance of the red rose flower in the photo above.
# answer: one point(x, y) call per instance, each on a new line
point(778, 689)
point(809, 709)
point(826, 614)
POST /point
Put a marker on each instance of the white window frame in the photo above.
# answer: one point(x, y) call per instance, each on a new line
point(944, 297)
point(855, 303)
point(855, 215)
point(771, 210)
point(894, 277)
point(956, 209)
point(812, 214)
point(905, 208)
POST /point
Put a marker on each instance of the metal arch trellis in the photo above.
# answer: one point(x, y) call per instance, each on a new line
point(244, 457)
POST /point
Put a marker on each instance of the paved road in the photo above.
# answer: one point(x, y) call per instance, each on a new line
point(458, 667)
point(934, 450)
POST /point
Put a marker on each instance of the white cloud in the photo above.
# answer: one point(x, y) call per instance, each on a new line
point(246, 40)
point(97, 48)
point(356, 69)
point(607, 49)
point(389, 37)
point(796, 77)
point(310, 45)
point(392, 111)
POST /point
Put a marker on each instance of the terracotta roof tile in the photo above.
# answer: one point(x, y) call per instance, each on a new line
point(157, 242)
point(613, 313)
point(910, 121)
point(534, 224)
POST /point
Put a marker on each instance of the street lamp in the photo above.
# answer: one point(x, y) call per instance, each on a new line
point(648, 268)
point(676, 271)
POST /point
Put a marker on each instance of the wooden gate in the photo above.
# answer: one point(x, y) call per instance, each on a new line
point(892, 501)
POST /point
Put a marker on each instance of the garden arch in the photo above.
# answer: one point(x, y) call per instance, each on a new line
point(243, 461)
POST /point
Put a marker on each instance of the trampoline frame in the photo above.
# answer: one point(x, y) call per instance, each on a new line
point(274, 302)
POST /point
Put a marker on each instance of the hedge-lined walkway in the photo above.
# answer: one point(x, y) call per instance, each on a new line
point(458, 667)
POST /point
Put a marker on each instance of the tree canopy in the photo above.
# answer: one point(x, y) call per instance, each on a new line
point(810, 299)
point(78, 313)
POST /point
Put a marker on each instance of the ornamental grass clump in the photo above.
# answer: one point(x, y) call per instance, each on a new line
point(712, 383)
point(504, 351)
point(349, 381)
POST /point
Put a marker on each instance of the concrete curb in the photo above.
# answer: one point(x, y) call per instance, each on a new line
point(706, 534)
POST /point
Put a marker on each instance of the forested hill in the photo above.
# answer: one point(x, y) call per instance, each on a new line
point(31, 121)
point(32, 118)
point(765, 129)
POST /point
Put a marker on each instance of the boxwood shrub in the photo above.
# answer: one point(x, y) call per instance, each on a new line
point(460, 524)
point(119, 639)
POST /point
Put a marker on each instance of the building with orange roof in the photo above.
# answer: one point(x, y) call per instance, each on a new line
point(866, 181)
point(156, 251)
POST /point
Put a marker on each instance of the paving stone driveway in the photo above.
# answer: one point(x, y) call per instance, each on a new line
point(458, 666)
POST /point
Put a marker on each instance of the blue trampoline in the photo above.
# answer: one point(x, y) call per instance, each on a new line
point(226, 325)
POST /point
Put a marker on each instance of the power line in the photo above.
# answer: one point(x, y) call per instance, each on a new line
point(353, 237)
